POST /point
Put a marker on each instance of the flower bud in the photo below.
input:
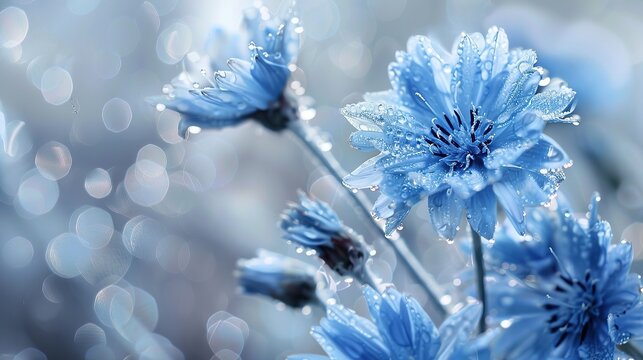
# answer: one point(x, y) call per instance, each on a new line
point(313, 224)
point(282, 278)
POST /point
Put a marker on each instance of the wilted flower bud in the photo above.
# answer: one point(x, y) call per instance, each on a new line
point(282, 278)
point(313, 224)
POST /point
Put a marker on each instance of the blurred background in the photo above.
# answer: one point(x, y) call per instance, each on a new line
point(97, 188)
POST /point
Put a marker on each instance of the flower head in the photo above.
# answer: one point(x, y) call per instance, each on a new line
point(313, 224)
point(400, 330)
point(282, 278)
point(578, 302)
point(464, 130)
point(209, 97)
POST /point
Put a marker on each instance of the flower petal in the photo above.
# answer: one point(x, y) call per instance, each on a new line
point(457, 328)
point(481, 212)
point(520, 85)
point(406, 328)
point(405, 193)
point(345, 335)
point(467, 182)
point(513, 207)
point(365, 175)
point(513, 139)
point(369, 116)
point(466, 80)
point(553, 103)
point(627, 326)
point(495, 53)
point(445, 209)
point(545, 154)
point(415, 83)
point(368, 140)
point(431, 178)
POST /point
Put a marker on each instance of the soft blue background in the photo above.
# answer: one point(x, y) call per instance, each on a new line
point(248, 174)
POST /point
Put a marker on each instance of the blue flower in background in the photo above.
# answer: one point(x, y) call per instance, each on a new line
point(577, 302)
point(208, 97)
point(313, 224)
point(464, 129)
point(400, 330)
point(282, 278)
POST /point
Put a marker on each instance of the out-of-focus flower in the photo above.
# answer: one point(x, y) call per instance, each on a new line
point(282, 278)
point(208, 97)
point(464, 129)
point(313, 224)
point(578, 302)
point(400, 330)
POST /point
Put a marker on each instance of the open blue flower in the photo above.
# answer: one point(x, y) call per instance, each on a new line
point(400, 330)
point(313, 224)
point(464, 129)
point(282, 278)
point(209, 97)
point(564, 292)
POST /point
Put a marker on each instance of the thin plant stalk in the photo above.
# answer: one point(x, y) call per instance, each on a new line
point(369, 278)
point(632, 350)
point(361, 203)
point(478, 261)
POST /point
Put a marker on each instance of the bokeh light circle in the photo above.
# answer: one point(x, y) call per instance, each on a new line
point(109, 264)
point(36, 194)
point(226, 333)
point(98, 183)
point(113, 306)
point(17, 252)
point(53, 160)
point(89, 335)
point(117, 115)
point(94, 227)
point(30, 354)
point(146, 182)
point(141, 236)
point(66, 255)
point(14, 26)
point(56, 85)
point(173, 43)
point(53, 289)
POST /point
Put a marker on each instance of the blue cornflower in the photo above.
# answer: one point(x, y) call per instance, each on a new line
point(282, 278)
point(464, 129)
point(400, 330)
point(312, 224)
point(577, 302)
point(253, 88)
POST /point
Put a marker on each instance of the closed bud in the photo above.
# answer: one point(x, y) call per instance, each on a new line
point(282, 278)
point(313, 224)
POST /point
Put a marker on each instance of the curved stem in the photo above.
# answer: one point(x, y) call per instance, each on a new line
point(368, 278)
point(363, 205)
point(478, 261)
point(631, 350)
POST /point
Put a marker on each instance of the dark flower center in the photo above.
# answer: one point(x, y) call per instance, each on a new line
point(573, 305)
point(458, 140)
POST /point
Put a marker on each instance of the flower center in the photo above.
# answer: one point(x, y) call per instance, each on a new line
point(572, 306)
point(458, 140)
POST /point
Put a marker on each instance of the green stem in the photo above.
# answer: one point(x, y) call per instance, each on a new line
point(363, 205)
point(478, 261)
